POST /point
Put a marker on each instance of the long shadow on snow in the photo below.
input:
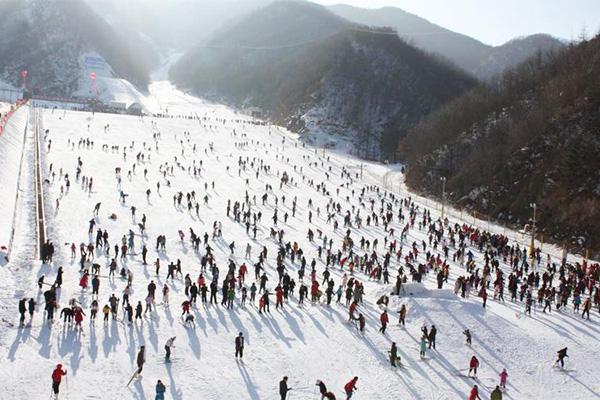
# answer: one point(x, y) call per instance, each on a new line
point(380, 354)
point(248, 381)
point(139, 390)
point(176, 393)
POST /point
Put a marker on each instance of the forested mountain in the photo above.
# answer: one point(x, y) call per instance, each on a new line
point(49, 37)
point(533, 137)
point(501, 58)
point(300, 63)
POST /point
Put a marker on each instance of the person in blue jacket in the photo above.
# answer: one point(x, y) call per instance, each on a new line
point(160, 390)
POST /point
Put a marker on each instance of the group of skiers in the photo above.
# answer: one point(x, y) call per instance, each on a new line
point(342, 260)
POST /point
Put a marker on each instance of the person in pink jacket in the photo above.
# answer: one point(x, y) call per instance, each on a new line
point(503, 376)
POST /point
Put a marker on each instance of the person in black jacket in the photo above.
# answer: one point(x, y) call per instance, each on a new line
point(193, 293)
point(22, 310)
point(322, 388)
point(31, 307)
point(141, 359)
point(239, 346)
point(562, 353)
point(283, 388)
point(431, 338)
point(59, 277)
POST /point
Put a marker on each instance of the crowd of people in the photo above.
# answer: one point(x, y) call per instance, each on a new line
point(357, 233)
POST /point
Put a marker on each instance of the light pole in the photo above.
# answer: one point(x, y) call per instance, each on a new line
point(443, 179)
point(532, 245)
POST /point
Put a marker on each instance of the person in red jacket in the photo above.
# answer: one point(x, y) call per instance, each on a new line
point(361, 323)
point(79, 314)
point(350, 387)
point(242, 274)
point(351, 310)
point(57, 375)
point(278, 297)
point(474, 395)
point(83, 282)
point(484, 296)
point(185, 306)
point(473, 365)
point(314, 291)
point(384, 321)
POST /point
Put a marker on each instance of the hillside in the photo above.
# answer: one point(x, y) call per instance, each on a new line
point(501, 58)
point(478, 59)
point(532, 138)
point(51, 38)
point(305, 66)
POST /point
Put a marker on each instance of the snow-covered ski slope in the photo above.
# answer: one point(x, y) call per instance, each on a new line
point(305, 343)
point(11, 145)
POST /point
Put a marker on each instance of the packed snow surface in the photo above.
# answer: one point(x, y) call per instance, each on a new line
point(306, 343)
point(11, 145)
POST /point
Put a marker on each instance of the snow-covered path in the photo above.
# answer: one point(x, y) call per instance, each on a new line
point(306, 343)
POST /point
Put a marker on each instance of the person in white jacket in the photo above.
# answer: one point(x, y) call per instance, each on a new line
point(168, 346)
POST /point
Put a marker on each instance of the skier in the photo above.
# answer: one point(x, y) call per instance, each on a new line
point(361, 323)
point(185, 306)
point(473, 365)
point(484, 296)
point(22, 311)
point(402, 314)
point(423, 346)
point(350, 387)
point(283, 388)
point(393, 354)
point(548, 303)
point(160, 390)
point(474, 394)
point(562, 353)
point(503, 376)
point(351, 310)
point(432, 334)
point(587, 305)
point(165, 291)
point(239, 346)
point(78, 315)
point(106, 312)
point(31, 308)
point(168, 346)
point(496, 394)
point(322, 388)
point(57, 375)
point(141, 359)
point(468, 336)
point(384, 321)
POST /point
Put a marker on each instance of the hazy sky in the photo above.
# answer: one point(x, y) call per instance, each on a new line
point(497, 21)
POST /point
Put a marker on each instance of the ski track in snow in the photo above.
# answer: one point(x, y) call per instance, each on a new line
point(306, 343)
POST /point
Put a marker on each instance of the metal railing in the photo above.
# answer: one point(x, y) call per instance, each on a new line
point(38, 184)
